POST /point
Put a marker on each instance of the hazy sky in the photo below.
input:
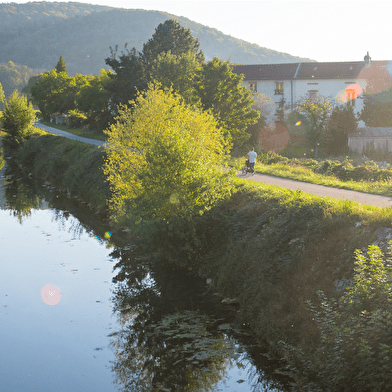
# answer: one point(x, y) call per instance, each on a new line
point(321, 30)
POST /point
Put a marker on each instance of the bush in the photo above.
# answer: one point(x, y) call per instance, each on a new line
point(355, 350)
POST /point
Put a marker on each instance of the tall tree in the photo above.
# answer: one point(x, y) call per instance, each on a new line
point(341, 123)
point(316, 110)
point(93, 100)
point(17, 120)
point(128, 77)
point(220, 91)
point(178, 72)
point(171, 37)
point(61, 66)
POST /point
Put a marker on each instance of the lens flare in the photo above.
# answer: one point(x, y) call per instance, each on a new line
point(51, 294)
point(376, 79)
point(108, 234)
point(298, 123)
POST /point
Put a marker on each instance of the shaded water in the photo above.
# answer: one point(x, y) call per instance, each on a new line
point(121, 323)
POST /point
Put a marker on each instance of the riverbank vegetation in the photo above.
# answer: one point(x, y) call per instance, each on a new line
point(271, 250)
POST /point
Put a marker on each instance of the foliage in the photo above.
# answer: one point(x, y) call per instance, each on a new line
point(220, 91)
point(54, 93)
point(61, 66)
point(15, 77)
point(316, 110)
point(164, 160)
point(341, 123)
point(377, 110)
point(93, 100)
point(171, 37)
point(355, 347)
point(17, 120)
point(127, 79)
point(2, 96)
point(69, 165)
point(177, 72)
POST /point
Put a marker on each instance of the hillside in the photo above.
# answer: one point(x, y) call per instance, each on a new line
point(37, 33)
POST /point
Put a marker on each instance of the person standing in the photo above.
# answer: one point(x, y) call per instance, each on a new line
point(251, 155)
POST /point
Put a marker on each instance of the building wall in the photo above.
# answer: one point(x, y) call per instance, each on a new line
point(295, 90)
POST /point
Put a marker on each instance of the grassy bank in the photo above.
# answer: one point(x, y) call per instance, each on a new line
point(356, 175)
point(267, 248)
point(68, 165)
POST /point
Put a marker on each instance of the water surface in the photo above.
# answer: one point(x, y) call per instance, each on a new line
point(121, 322)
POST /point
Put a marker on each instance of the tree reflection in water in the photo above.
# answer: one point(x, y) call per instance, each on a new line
point(166, 342)
point(175, 336)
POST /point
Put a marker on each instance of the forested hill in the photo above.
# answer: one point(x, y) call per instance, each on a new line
point(35, 34)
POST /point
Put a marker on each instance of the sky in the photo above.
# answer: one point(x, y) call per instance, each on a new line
point(321, 30)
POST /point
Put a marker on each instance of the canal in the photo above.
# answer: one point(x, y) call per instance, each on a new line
point(82, 310)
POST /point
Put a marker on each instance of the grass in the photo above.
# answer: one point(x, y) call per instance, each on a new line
point(301, 173)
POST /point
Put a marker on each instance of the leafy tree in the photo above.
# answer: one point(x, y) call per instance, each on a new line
point(93, 100)
point(377, 110)
point(128, 77)
point(171, 37)
point(61, 66)
point(55, 93)
point(17, 120)
point(341, 123)
point(220, 91)
point(316, 110)
point(164, 160)
point(177, 72)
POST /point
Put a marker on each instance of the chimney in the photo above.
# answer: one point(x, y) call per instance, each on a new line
point(367, 59)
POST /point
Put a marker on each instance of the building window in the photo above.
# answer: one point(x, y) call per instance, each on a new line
point(278, 88)
point(253, 87)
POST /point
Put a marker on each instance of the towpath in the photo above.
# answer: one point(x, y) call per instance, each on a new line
point(318, 190)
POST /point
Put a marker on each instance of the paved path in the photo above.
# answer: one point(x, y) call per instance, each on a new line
point(68, 135)
point(319, 190)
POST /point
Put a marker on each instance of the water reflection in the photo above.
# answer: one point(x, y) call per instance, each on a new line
point(176, 336)
point(171, 334)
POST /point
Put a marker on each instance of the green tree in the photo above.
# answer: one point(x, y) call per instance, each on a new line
point(220, 91)
point(177, 72)
point(55, 93)
point(128, 77)
point(377, 110)
point(61, 66)
point(341, 123)
point(171, 37)
point(164, 160)
point(93, 100)
point(17, 120)
point(316, 110)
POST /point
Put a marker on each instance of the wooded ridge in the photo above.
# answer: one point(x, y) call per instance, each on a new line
point(35, 34)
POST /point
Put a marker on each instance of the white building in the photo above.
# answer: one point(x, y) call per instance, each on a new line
point(343, 82)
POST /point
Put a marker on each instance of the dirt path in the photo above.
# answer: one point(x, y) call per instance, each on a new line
point(321, 190)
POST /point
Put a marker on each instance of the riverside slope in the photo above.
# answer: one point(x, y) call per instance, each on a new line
point(318, 190)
